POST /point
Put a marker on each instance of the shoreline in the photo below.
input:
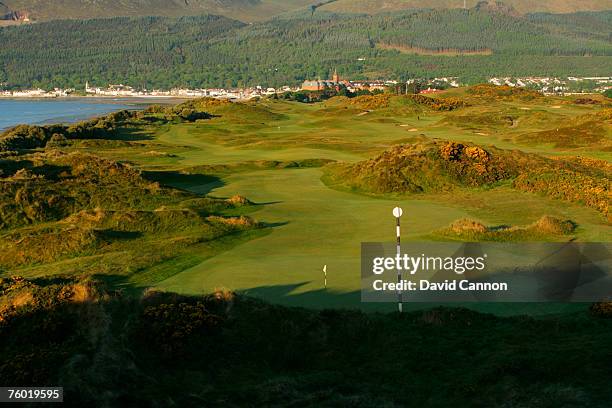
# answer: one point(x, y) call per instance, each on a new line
point(106, 98)
point(117, 97)
point(74, 109)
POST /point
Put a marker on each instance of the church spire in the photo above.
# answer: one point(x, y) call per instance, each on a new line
point(336, 77)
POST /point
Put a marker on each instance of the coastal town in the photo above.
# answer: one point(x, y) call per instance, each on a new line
point(546, 85)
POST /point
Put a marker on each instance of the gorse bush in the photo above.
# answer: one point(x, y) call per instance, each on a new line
point(503, 92)
point(108, 348)
point(171, 328)
point(399, 103)
point(601, 309)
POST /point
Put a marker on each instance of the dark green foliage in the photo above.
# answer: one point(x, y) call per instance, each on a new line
point(108, 349)
point(214, 51)
point(168, 329)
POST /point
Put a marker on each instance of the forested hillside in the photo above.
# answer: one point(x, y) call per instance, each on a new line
point(216, 51)
point(257, 10)
point(244, 10)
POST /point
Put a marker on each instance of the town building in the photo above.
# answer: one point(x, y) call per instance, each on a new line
point(319, 85)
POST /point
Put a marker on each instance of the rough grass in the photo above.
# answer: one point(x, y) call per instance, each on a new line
point(545, 228)
point(51, 186)
point(57, 207)
point(586, 130)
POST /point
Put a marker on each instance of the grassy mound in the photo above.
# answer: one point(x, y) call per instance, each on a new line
point(237, 112)
point(503, 92)
point(97, 231)
point(477, 120)
point(546, 228)
point(435, 166)
point(591, 130)
point(105, 127)
point(110, 349)
point(25, 247)
point(72, 206)
point(257, 165)
point(441, 166)
point(51, 186)
point(396, 103)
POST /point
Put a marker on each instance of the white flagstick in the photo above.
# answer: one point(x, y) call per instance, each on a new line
point(397, 213)
point(325, 274)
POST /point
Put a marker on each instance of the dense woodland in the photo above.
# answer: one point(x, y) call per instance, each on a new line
point(208, 51)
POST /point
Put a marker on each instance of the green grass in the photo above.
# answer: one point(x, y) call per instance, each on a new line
point(308, 224)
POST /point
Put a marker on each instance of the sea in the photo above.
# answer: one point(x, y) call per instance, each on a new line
point(66, 110)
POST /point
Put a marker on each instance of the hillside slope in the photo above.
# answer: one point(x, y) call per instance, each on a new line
point(216, 51)
point(258, 10)
point(246, 10)
point(521, 6)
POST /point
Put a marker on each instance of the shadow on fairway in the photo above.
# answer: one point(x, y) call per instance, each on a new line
point(196, 183)
point(129, 135)
point(275, 224)
point(334, 299)
point(320, 298)
point(270, 202)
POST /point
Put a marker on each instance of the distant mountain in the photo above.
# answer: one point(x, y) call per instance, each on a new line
point(210, 51)
point(245, 10)
point(258, 10)
point(518, 6)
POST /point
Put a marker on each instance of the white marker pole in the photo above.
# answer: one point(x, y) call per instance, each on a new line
point(325, 275)
point(397, 213)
